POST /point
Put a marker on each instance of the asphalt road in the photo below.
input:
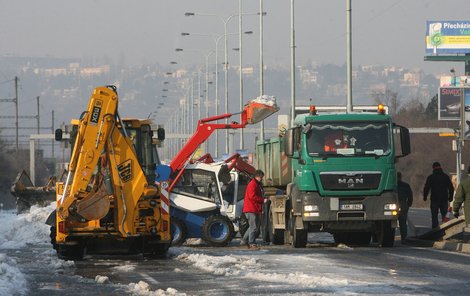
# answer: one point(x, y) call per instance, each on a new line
point(320, 269)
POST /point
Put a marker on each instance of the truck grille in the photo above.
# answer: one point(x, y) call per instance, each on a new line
point(350, 180)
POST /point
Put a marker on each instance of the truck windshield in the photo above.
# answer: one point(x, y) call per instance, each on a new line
point(348, 138)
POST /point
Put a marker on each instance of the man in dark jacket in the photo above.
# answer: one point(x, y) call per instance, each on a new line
point(252, 208)
point(405, 200)
point(442, 192)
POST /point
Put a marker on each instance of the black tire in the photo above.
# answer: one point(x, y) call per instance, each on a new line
point(276, 236)
point(265, 235)
point(52, 235)
point(179, 232)
point(74, 252)
point(341, 238)
point(386, 234)
point(360, 238)
point(71, 252)
point(299, 239)
point(217, 231)
point(153, 248)
point(299, 236)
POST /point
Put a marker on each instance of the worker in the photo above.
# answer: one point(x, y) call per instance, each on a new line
point(405, 200)
point(463, 196)
point(442, 192)
point(252, 208)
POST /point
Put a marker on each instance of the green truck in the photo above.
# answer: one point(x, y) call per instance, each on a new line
point(333, 172)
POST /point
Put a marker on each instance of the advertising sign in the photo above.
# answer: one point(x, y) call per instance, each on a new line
point(447, 37)
point(449, 103)
point(466, 114)
point(460, 81)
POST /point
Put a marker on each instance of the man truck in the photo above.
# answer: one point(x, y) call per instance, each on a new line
point(333, 172)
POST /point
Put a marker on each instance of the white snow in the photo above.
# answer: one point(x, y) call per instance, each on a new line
point(124, 268)
point(17, 231)
point(12, 280)
point(101, 279)
point(143, 289)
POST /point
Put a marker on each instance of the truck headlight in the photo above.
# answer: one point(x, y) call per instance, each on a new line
point(390, 207)
point(310, 208)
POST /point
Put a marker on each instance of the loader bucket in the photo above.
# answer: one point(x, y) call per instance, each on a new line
point(258, 109)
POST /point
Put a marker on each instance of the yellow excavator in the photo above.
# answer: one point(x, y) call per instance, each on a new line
point(109, 201)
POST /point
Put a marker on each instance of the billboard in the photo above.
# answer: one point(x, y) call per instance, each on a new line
point(447, 37)
point(449, 103)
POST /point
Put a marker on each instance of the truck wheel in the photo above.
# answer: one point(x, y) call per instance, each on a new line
point(71, 252)
point(179, 232)
point(52, 235)
point(360, 238)
point(386, 234)
point(341, 238)
point(153, 248)
point(299, 239)
point(67, 252)
point(276, 236)
point(299, 236)
point(217, 231)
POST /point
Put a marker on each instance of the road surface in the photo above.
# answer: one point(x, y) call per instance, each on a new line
point(322, 268)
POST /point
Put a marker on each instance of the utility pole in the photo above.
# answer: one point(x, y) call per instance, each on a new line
point(261, 63)
point(16, 107)
point(349, 104)
point(37, 100)
point(52, 130)
point(292, 69)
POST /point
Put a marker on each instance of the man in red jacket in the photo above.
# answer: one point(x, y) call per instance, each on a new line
point(252, 208)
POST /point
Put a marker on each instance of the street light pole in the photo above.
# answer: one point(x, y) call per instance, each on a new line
point(292, 70)
point(349, 104)
point(240, 45)
point(261, 63)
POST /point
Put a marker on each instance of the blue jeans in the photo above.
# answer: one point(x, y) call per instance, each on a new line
point(254, 220)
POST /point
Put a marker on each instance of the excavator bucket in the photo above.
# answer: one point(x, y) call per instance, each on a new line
point(258, 109)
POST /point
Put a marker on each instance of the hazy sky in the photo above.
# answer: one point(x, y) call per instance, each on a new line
point(147, 31)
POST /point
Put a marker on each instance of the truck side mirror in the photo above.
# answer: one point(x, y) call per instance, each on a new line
point(58, 134)
point(161, 133)
point(289, 143)
point(292, 142)
point(404, 137)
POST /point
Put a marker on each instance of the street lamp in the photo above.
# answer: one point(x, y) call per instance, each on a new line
point(216, 41)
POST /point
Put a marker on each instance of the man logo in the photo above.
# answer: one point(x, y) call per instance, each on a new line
point(350, 182)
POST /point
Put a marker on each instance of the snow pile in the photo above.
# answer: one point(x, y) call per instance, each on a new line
point(58, 266)
point(124, 268)
point(143, 289)
point(248, 267)
point(101, 279)
point(266, 100)
point(17, 231)
point(12, 281)
point(219, 265)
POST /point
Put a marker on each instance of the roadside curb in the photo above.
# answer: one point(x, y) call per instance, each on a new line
point(441, 245)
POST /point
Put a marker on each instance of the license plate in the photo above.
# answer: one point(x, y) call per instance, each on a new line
point(351, 207)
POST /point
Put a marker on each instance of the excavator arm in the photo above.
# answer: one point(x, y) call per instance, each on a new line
point(94, 130)
point(105, 179)
point(253, 112)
